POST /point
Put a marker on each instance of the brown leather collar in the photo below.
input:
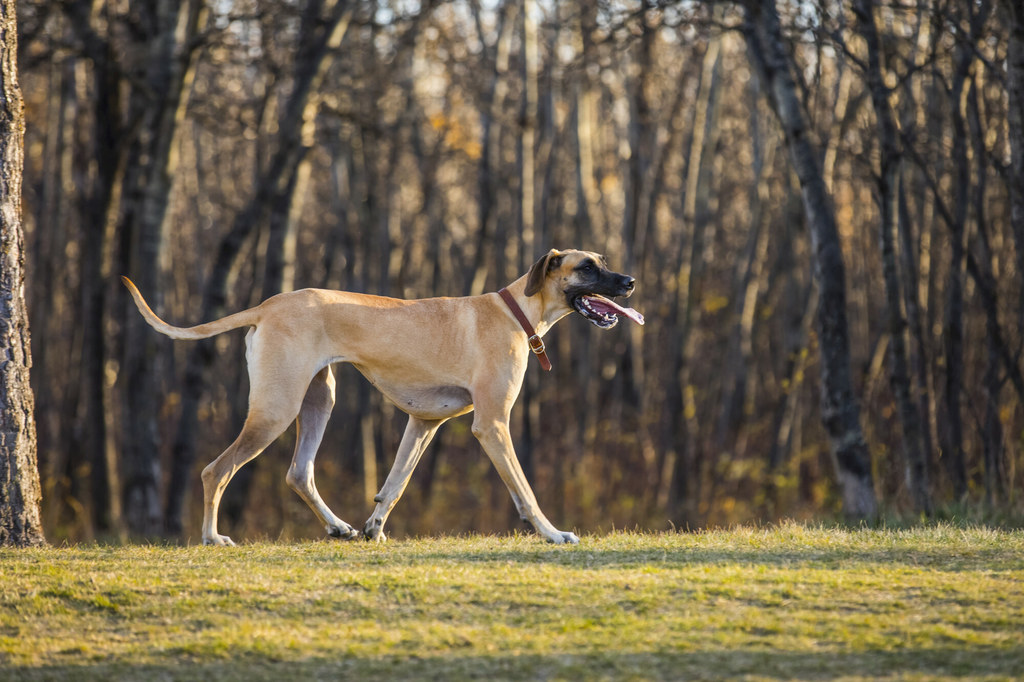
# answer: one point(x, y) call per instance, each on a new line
point(536, 343)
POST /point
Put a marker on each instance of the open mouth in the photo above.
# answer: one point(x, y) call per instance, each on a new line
point(604, 312)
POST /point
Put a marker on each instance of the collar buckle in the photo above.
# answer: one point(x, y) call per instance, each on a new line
point(536, 344)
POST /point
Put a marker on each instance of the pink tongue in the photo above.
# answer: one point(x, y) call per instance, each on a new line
point(604, 305)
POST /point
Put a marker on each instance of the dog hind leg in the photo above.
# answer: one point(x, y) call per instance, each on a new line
point(418, 433)
point(259, 432)
point(276, 390)
point(316, 410)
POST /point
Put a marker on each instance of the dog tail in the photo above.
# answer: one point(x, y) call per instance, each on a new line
point(246, 318)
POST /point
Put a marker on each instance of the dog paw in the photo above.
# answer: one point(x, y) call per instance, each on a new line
point(564, 538)
point(343, 532)
point(219, 540)
point(373, 531)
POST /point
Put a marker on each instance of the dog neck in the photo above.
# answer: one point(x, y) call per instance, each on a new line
point(541, 315)
point(532, 337)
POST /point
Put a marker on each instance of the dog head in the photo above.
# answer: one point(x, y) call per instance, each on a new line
point(582, 281)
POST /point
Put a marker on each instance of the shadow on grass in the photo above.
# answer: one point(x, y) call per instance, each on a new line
point(840, 558)
point(715, 665)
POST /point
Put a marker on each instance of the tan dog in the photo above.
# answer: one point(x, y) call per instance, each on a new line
point(434, 358)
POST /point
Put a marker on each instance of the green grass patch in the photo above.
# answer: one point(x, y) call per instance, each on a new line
point(786, 602)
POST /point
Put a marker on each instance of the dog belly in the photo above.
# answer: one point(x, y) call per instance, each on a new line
point(426, 402)
point(438, 402)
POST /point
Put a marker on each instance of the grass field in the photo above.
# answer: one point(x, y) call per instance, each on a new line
point(786, 602)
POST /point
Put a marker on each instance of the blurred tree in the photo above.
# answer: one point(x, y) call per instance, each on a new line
point(888, 182)
point(840, 412)
point(170, 33)
point(1014, 11)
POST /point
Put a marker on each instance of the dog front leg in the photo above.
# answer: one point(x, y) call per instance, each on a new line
point(418, 433)
point(497, 443)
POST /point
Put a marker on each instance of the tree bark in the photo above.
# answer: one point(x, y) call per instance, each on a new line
point(20, 519)
point(840, 412)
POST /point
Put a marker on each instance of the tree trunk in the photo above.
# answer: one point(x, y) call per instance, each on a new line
point(490, 136)
point(100, 159)
point(953, 325)
point(888, 203)
point(992, 429)
point(840, 412)
point(529, 411)
point(20, 520)
point(684, 490)
point(587, 95)
point(1015, 124)
point(168, 76)
point(749, 281)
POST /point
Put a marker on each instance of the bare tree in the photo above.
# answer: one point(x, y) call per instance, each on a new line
point(20, 521)
point(98, 202)
point(173, 28)
point(686, 474)
point(888, 202)
point(840, 412)
point(1015, 122)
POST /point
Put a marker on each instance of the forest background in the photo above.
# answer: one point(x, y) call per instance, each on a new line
point(218, 152)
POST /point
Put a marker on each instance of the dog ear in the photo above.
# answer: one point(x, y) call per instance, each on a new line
point(540, 270)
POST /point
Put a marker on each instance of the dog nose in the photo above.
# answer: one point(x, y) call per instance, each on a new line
point(629, 282)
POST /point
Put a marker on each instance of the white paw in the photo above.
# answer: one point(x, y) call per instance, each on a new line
point(564, 538)
point(373, 531)
point(343, 531)
point(220, 540)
